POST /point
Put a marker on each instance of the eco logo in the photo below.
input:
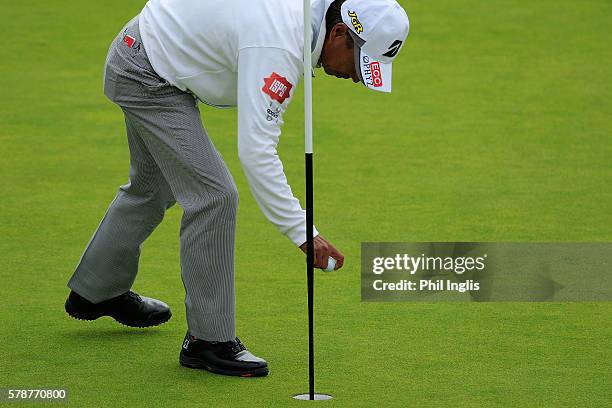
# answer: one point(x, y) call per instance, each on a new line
point(355, 21)
point(376, 74)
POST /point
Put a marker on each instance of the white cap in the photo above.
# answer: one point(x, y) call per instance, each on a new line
point(379, 28)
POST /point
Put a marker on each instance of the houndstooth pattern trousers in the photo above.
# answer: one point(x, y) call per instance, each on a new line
point(172, 160)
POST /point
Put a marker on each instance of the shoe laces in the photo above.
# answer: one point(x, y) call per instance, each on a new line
point(236, 346)
point(134, 296)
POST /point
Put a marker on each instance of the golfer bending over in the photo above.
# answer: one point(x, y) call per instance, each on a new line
point(245, 53)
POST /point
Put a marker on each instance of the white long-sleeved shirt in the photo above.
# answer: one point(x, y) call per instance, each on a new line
point(245, 53)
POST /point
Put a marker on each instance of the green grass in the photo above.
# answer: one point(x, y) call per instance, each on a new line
point(498, 129)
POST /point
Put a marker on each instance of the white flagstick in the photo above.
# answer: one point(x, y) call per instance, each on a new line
point(309, 203)
point(307, 78)
point(309, 192)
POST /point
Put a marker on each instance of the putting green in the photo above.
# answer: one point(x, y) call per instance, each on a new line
point(498, 129)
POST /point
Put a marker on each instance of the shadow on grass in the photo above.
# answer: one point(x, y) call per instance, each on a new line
point(110, 333)
point(99, 332)
point(202, 377)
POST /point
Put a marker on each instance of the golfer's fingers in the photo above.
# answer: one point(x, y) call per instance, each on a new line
point(339, 263)
point(321, 254)
point(321, 259)
point(337, 255)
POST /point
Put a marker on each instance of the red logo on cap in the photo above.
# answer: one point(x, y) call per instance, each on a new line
point(277, 87)
point(376, 74)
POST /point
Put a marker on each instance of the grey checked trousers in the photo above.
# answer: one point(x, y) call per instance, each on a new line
point(172, 160)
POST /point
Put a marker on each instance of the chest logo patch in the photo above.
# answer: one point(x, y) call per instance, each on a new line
point(277, 87)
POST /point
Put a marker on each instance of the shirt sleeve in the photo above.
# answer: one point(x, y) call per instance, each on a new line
point(267, 80)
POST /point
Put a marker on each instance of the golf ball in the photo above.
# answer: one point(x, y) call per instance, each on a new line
point(331, 264)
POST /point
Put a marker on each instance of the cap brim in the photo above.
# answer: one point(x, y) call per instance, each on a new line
point(374, 74)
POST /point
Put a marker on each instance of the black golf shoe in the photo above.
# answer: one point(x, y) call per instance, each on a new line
point(129, 309)
point(228, 358)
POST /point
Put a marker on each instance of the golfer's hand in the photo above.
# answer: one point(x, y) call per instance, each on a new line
point(323, 250)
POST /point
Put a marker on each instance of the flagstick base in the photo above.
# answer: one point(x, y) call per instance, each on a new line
point(317, 397)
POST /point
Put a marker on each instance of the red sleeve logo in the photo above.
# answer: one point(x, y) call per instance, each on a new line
point(277, 87)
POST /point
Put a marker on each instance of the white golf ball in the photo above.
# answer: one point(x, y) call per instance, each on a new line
point(331, 264)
